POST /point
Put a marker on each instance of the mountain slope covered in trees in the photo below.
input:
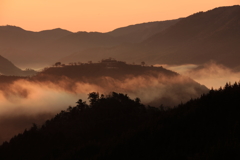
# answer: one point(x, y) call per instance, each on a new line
point(116, 127)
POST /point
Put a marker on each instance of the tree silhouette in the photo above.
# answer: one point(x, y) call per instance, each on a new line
point(117, 127)
point(81, 105)
point(57, 64)
point(93, 97)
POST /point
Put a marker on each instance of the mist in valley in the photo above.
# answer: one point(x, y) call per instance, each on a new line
point(43, 73)
point(28, 101)
point(211, 74)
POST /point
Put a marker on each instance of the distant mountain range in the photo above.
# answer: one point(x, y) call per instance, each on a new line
point(38, 49)
point(198, 38)
point(201, 37)
point(204, 36)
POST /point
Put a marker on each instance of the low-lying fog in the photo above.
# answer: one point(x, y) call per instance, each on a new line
point(211, 74)
point(24, 102)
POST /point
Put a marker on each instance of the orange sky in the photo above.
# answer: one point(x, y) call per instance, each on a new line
point(97, 15)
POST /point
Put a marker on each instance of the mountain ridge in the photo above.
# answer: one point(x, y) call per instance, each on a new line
point(45, 46)
point(198, 38)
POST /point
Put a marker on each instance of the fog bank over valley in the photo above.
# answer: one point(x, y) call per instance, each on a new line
point(33, 100)
point(211, 74)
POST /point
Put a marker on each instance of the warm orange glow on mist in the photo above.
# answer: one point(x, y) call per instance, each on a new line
point(95, 15)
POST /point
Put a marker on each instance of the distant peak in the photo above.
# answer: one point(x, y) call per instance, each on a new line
point(57, 30)
point(11, 27)
point(92, 33)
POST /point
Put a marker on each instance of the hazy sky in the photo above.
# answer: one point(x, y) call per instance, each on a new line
point(97, 15)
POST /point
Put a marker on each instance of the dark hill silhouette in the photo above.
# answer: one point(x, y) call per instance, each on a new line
point(39, 97)
point(199, 38)
point(129, 34)
point(23, 47)
point(116, 127)
point(38, 49)
point(112, 68)
point(139, 32)
point(77, 42)
point(111, 75)
point(54, 34)
point(8, 68)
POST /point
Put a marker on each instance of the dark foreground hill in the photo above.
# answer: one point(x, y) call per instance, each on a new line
point(116, 127)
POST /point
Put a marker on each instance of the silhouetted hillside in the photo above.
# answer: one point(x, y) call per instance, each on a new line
point(38, 49)
point(76, 42)
point(108, 67)
point(204, 36)
point(25, 100)
point(54, 34)
point(116, 127)
point(167, 87)
point(23, 47)
point(199, 38)
point(139, 32)
point(8, 68)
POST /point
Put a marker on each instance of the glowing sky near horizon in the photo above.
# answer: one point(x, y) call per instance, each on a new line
point(97, 15)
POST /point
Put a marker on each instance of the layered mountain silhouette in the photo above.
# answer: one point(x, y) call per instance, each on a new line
point(38, 49)
point(24, 47)
point(212, 35)
point(8, 68)
point(203, 36)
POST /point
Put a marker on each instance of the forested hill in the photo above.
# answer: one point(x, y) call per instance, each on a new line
point(116, 127)
point(107, 67)
point(164, 86)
